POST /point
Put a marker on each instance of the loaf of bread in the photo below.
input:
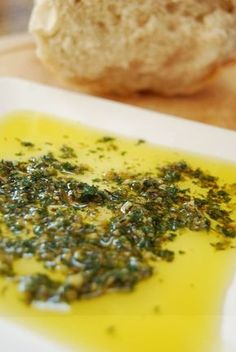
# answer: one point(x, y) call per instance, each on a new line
point(166, 46)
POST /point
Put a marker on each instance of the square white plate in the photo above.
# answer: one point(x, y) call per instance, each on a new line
point(125, 120)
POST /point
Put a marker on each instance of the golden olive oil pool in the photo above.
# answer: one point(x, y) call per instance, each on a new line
point(179, 307)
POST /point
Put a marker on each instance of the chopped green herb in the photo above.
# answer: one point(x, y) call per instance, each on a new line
point(27, 144)
point(141, 141)
point(222, 245)
point(49, 215)
point(67, 152)
point(106, 139)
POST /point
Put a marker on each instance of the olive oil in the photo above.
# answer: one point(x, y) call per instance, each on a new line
point(179, 308)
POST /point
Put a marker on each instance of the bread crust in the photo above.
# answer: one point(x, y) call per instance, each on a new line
point(171, 47)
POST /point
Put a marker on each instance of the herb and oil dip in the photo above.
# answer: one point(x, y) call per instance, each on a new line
point(106, 228)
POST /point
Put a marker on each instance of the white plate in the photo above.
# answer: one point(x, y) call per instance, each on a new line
point(129, 121)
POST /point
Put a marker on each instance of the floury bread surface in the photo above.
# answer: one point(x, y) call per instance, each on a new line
point(123, 46)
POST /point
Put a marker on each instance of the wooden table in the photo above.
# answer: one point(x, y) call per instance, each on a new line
point(14, 15)
point(215, 105)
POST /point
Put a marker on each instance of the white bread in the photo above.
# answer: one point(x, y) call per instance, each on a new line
point(166, 46)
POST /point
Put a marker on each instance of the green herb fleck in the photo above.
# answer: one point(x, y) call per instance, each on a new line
point(140, 141)
point(27, 144)
point(106, 139)
point(67, 152)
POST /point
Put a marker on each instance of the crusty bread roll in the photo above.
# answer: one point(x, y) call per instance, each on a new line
point(166, 46)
